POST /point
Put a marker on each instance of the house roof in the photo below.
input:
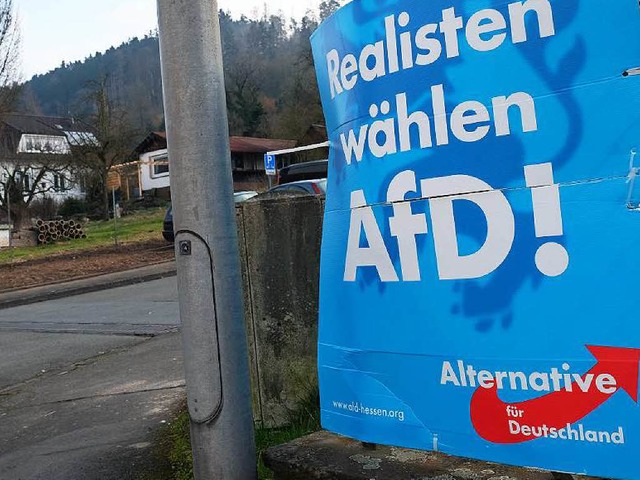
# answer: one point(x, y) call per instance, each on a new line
point(158, 141)
point(22, 135)
point(259, 145)
point(41, 125)
point(154, 141)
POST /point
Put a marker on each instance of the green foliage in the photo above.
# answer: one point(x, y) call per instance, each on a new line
point(303, 420)
point(179, 455)
point(73, 207)
point(174, 446)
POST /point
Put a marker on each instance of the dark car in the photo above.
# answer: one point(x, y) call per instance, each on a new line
point(303, 171)
point(167, 225)
point(316, 186)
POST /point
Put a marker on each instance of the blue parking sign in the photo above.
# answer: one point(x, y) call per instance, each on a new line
point(479, 277)
point(270, 164)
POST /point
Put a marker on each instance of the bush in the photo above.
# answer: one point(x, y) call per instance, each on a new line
point(73, 207)
point(44, 208)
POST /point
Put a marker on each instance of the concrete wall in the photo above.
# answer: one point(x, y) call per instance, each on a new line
point(280, 251)
point(5, 235)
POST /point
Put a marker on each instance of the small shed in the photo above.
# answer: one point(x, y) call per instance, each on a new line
point(149, 174)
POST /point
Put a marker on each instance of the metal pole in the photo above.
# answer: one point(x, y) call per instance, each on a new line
point(209, 278)
point(9, 212)
point(115, 217)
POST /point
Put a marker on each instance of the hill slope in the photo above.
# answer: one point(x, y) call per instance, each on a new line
point(270, 82)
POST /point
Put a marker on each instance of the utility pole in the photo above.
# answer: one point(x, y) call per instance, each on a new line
point(209, 278)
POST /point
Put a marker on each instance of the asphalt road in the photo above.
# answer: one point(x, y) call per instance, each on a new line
point(86, 380)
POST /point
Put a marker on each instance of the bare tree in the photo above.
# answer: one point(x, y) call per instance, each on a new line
point(327, 7)
point(9, 56)
point(10, 183)
point(21, 183)
point(112, 139)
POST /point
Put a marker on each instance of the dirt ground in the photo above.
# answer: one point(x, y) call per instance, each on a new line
point(82, 263)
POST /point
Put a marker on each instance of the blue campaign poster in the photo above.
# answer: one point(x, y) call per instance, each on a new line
point(480, 274)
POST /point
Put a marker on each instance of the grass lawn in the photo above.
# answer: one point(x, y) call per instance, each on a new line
point(174, 447)
point(177, 451)
point(137, 227)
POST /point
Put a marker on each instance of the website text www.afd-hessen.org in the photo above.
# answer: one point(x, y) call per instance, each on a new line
point(359, 408)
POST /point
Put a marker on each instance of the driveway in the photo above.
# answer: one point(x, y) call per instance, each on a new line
point(86, 381)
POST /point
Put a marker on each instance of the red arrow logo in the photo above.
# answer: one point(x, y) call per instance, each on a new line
point(490, 417)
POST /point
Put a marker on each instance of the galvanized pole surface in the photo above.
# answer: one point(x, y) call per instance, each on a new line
point(115, 217)
point(209, 278)
point(9, 213)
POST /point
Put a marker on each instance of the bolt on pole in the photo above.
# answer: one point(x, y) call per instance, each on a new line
point(209, 278)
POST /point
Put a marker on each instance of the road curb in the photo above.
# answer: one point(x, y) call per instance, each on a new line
point(93, 284)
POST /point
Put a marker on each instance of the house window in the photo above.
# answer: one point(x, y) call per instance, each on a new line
point(22, 180)
point(160, 167)
point(238, 162)
point(59, 183)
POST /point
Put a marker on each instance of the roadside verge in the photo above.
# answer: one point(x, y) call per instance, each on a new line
point(28, 296)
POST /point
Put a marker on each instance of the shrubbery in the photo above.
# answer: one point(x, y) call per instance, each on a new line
point(72, 207)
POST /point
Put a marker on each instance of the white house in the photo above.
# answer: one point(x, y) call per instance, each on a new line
point(35, 154)
point(154, 170)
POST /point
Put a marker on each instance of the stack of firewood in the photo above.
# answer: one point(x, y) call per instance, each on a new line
point(58, 230)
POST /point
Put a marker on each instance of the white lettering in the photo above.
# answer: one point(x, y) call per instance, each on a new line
point(405, 225)
point(485, 22)
point(518, 12)
point(449, 375)
point(607, 384)
point(354, 146)
point(460, 120)
point(500, 226)
point(375, 255)
point(376, 52)
point(349, 75)
point(333, 65)
point(527, 106)
point(484, 31)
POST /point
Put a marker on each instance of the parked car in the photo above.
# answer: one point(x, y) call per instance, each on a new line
point(303, 171)
point(317, 186)
point(167, 225)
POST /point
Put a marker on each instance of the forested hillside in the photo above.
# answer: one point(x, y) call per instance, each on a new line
point(133, 74)
point(271, 85)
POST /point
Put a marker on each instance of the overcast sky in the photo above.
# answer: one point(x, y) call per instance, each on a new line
point(70, 30)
